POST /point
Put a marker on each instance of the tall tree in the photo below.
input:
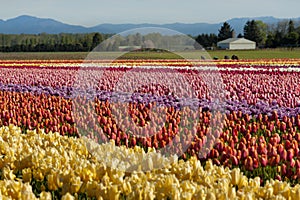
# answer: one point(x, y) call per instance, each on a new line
point(291, 27)
point(263, 29)
point(255, 31)
point(291, 38)
point(225, 32)
point(97, 39)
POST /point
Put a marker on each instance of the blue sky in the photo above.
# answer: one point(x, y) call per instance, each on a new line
point(93, 12)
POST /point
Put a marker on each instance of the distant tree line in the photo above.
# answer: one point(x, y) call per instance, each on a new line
point(282, 34)
point(50, 42)
point(91, 42)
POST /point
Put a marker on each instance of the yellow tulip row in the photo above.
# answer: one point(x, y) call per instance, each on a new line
point(164, 62)
point(76, 166)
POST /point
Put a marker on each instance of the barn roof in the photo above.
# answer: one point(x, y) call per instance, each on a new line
point(236, 40)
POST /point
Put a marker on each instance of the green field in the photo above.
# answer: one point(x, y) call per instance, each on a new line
point(257, 54)
point(242, 54)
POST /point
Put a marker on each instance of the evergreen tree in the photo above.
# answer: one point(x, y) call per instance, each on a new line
point(291, 38)
point(206, 40)
point(270, 41)
point(255, 31)
point(291, 27)
point(97, 39)
point(225, 32)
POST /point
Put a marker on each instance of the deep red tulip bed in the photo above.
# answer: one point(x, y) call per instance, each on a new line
point(239, 116)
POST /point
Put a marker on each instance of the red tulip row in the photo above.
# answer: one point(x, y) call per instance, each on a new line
point(242, 141)
point(37, 112)
point(259, 143)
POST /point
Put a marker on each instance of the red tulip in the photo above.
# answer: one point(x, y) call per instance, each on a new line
point(234, 160)
point(290, 154)
point(283, 155)
point(280, 148)
point(297, 163)
point(249, 163)
point(245, 153)
point(262, 148)
point(283, 169)
point(298, 173)
point(297, 137)
point(296, 151)
point(216, 162)
point(264, 160)
point(271, 150)
point(292, 163)
point(133, 141)
point(288, 144)
point(278, 177)
point(255, 163)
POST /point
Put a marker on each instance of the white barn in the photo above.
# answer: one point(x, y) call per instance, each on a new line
point(236, 43)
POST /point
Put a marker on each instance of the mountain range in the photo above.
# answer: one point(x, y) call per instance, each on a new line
point(33, 25)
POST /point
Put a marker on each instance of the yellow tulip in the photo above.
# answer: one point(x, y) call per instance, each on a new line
point(14, 188)
point(27, 175)
point(249, 196)
point(186, 196)
point(45, 196)
point(75, 184)
point(8, 174)
point(114, 193)
point(210, 196)
point(295, 194)
point(269, 192)
point(68, 196)
point(26, 192)
point(149, 191)
point(51, 182)
point(235, 176)
point(106, 179)
point(200, 194)
point(254, 184)
point(126, 188)
point(87, 174)
point(117, 176)
point(92, 188)
point(209, 165)
point(231, 193)
point(3, 187)
point(243, 182)
point(38, 175)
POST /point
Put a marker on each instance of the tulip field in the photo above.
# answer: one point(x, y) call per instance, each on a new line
point(69, 131)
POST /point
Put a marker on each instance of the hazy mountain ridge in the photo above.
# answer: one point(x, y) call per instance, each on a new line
point(33, 25)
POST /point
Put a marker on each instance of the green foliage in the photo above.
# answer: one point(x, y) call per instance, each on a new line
point(50, 42)
point(97, 39)
point(291, 27)
point(285, 34)
point(225, 32)
point(206, 40)
point(255, 31)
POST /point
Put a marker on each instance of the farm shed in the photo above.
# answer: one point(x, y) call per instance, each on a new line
point(236, 43)
point(129, 48)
